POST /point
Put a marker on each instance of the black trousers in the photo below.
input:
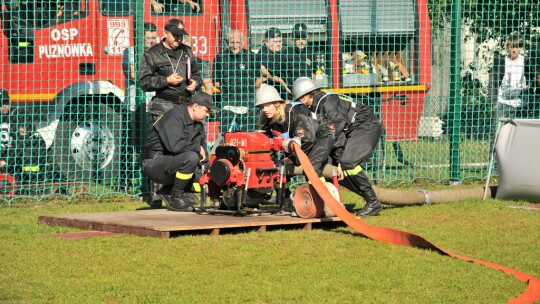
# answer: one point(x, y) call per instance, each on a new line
point(361, 144)
point(172, 170)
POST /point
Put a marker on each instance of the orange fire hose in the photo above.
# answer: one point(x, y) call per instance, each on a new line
point(397, 237)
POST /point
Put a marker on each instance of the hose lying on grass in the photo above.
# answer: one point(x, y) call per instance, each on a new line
point(397, 237)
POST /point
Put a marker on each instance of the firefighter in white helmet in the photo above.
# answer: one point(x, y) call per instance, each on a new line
point(281, 118)
point(357, 132)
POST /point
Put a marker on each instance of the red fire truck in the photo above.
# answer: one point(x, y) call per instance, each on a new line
point(62, 62)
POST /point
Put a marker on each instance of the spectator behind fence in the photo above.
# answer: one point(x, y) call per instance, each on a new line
point(300, 56)
point(509, 81)
point(6, 136)
point(357, 132)
point(176, 151)
point(235, 74)
point(273, 60)
point(207, 84)
point(128, 66)
point(168, 69)
point(533, 110)
point(22, 150)
point(138, 115)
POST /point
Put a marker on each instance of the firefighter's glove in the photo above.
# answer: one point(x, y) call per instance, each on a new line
point(284, 135)
point(288, 144)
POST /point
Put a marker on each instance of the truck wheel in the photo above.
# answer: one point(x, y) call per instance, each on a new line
point(87, 143)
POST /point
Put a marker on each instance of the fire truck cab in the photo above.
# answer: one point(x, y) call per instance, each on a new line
point(62, 62)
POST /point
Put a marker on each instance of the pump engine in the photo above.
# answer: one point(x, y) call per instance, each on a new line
point(244, 171)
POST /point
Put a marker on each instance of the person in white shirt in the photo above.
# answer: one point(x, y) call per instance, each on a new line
point(509, 81)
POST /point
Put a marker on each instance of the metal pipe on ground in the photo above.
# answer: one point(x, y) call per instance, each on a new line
point(416, 197)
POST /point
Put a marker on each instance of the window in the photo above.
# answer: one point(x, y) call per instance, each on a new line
point(52, 12)
point(116, 7)
point(20, 21)
point(382, 17)
point(176, 7)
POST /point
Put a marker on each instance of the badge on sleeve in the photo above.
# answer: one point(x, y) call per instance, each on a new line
point(300, 132)
point(332, 127)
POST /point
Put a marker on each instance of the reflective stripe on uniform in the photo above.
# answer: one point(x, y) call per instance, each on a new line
point(353, 171)
point(155, 122)
point(320, 178)
point(183, 176)
point(197, 187)
point(31, 168)
point(345, 98)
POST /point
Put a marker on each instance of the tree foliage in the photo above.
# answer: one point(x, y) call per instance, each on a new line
point(491, 18)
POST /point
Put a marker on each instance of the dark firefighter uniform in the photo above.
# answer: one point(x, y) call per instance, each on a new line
point(236, 74)
point(172, 151)
point(158, 63)
point(26, 155)
point(276, 64)
point(300, 63)
point(357, 132)
point(315, 136)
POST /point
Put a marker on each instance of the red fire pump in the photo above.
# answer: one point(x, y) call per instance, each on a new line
point(243, 172)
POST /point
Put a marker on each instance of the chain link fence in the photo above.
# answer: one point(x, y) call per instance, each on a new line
point(74, 118)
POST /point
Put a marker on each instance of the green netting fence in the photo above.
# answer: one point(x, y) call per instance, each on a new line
point(74, 119)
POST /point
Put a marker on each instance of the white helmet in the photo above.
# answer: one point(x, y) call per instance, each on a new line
point(302, 86)
point(265, 94)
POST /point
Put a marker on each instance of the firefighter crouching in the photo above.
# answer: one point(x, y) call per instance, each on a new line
point(281, 118)
point(356, 132)
point(176, 147)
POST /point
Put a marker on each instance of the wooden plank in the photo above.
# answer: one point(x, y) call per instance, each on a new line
point(100, 226)
point(161, 223)
point(78, 235)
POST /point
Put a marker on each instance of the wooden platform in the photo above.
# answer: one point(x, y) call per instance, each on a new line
point(164, 224)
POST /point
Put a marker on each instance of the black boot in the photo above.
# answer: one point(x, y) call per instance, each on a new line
point(178, 202)
point(175, 196)
point(373, 205)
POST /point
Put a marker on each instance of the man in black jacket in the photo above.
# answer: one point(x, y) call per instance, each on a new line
point(235, 73)
point(301, 58)
point(273, 60)
point(357, 132)
point(169, 69)
point(175, 148)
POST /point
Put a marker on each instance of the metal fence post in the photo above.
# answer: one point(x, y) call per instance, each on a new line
point(455, 92)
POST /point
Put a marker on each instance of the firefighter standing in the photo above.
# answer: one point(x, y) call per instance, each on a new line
point(357, 132)
point(279, 118)
point(175, 148)
point(169, 69)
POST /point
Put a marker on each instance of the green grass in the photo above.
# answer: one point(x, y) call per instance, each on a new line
point(284, 266)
